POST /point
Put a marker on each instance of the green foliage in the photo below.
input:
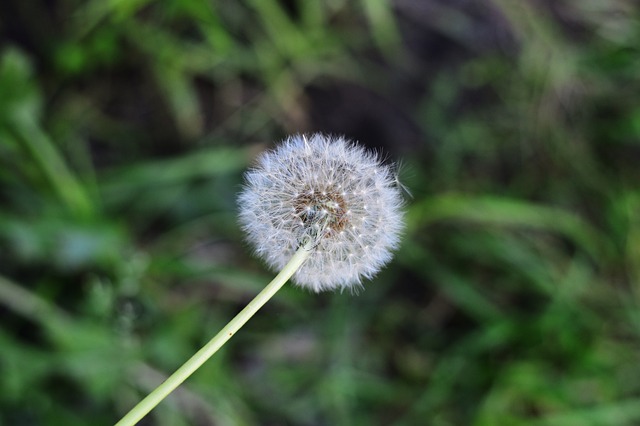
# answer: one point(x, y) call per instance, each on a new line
point(125, 127)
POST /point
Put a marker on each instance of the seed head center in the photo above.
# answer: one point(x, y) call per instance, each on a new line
point(325, 208)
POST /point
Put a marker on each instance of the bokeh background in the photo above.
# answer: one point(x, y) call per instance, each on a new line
point(126, 125)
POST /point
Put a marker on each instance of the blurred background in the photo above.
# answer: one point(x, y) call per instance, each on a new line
point(126, 125)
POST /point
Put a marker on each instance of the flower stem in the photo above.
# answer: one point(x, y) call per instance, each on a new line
point(200, 357)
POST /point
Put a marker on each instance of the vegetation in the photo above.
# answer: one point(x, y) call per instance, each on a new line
point(125, 127)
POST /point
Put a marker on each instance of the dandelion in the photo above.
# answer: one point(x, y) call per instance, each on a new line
point(331, 193)
point(323, 211)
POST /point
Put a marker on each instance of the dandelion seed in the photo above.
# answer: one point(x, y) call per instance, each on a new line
point(335, 189)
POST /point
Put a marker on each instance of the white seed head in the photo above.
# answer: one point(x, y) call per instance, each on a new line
point(331, 195)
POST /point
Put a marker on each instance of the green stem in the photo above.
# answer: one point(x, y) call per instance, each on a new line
point(196, 361)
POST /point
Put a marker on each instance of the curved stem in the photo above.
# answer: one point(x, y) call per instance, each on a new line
point(200, 357)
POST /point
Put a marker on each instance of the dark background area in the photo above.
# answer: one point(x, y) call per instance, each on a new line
point(125, 127)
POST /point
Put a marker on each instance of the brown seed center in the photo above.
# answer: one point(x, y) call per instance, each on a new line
point(326, 208)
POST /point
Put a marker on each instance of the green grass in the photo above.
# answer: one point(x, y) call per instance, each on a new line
point(125, 127)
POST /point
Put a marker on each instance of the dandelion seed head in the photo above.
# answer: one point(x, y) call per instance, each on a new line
point(331, 195)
